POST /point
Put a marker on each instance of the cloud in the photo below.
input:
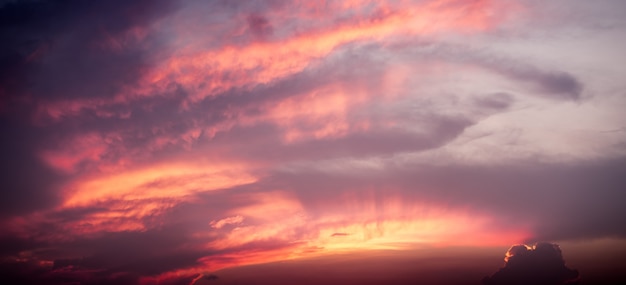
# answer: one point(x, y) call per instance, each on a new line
point(497, 101)
point(226, 221)
point(561, 201)
point(148, 252)
point(96, 53)
point(259, 26)
point(541, 264)
point(40, 39)
point(135, 126)
point(74, 272)
point(313, 206)
point(29, 184)
point(204, 279)
point(533, 75)
point(548, 187)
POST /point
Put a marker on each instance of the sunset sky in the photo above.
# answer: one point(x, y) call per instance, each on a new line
point(158, 142)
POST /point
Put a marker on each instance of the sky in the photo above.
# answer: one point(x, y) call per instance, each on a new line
point(162, 142)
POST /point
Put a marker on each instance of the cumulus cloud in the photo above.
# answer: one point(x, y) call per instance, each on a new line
point(541, 264)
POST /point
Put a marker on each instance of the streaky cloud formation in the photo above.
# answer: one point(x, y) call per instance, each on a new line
point(157, 142)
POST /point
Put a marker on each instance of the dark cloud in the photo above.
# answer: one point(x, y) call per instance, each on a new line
point(146, 253)
point(110, 258)
point(557, 84)
point(542, 264)
point(561, 85)
point(28, 185)
point(438, 132)
point(58, 50)
point(259, 26)
point(13, 245)
point(27, 274)
point(495, 101)
point(75, 272)
point(71, 49)
point(541, 80)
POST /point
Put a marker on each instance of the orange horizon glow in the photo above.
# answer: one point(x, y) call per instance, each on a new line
point(283, 229)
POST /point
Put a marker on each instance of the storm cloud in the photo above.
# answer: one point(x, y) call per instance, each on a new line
point(540, 264)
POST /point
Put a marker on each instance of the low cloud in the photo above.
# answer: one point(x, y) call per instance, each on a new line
point(541, 264)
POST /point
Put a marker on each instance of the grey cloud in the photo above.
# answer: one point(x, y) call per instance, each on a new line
point(77, 272)
point(28, 185)
point(542, 264)
point(13, 245)
point(259, 26)
point(546, 81)
point(557, 84)
point(556, 201)
point(66, 35)
point(269, 145)
point(495, 101)
point(561, 201)
point(137, 253)
point(26, 273)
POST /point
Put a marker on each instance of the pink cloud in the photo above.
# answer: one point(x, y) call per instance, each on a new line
point(88, 148)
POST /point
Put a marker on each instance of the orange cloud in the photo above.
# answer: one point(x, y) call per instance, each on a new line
point(131, 196)
point(170, 180)
point(280, 227)
point(130, 199)
point(226, 221)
